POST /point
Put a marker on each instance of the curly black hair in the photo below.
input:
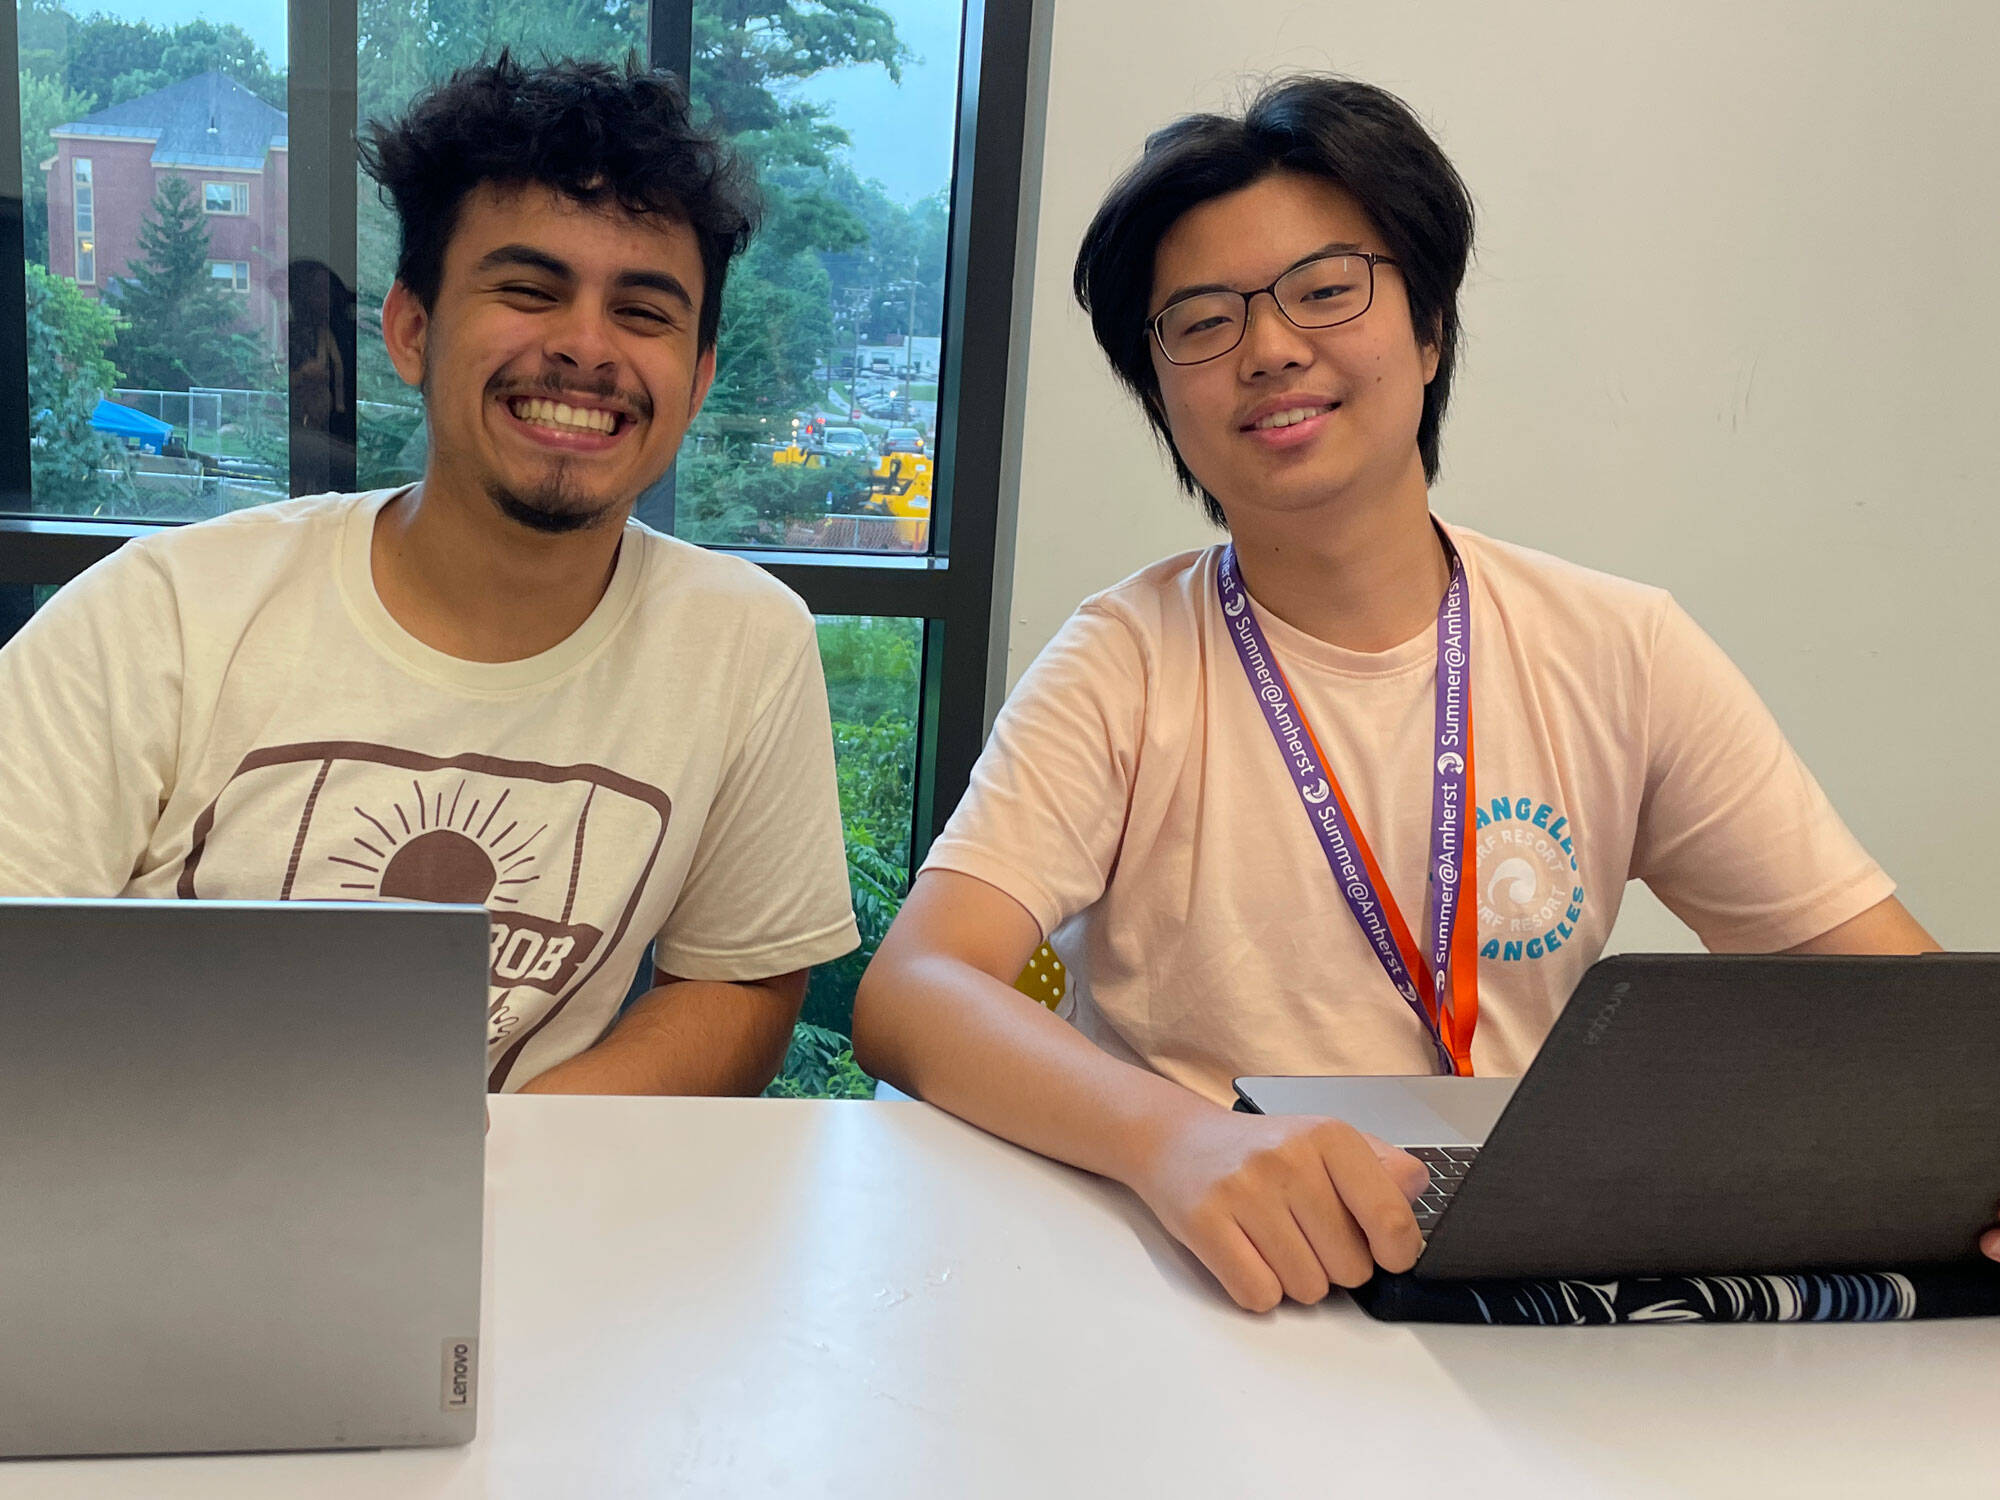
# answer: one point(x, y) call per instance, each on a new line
point(586, 130)
point(1354, 134)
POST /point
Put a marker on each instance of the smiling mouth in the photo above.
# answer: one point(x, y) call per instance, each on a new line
point(1291, 416)
point(559, 416)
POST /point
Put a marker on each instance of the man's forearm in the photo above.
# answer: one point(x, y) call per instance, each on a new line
point(687, 1036)
point(969, 1044)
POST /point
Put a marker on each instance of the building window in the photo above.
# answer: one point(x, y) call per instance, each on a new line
point(225, 197)
point(86, 222)
point(234, 274)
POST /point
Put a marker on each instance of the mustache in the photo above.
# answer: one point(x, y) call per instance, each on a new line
point(555, 387)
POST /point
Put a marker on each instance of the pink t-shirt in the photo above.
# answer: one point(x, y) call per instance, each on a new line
point(1133, 800)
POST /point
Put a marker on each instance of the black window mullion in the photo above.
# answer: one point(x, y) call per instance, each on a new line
point(16, 477)
point(323, 99)
point(670, 36)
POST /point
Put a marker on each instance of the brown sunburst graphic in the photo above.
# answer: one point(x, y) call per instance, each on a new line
point(440, 856)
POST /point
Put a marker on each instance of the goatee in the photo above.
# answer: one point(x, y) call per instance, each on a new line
point(549, 508)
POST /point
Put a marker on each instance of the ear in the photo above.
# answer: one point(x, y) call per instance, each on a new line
point(1433, 349)
point(405, 327)
point(704, 378)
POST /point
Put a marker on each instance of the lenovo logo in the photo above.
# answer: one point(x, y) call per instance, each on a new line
point(1606, 1014)
point(461, 1367)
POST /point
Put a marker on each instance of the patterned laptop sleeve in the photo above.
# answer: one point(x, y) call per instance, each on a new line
point(1950, 1291)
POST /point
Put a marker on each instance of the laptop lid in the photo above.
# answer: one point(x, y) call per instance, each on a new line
point(1701, 1114)
point(241, 1192)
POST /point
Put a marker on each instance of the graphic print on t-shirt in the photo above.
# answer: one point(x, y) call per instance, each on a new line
point(1530, 889)
point(371, 822)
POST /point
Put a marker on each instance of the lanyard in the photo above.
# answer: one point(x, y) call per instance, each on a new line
point(1445, 992)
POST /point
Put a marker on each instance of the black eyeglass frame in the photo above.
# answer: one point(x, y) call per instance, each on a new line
point(1373, 260)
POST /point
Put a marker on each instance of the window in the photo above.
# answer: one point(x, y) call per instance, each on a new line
point(858, 185)
point(879, 298)
point(225, 197)
point(135, 113)
point(84, 192)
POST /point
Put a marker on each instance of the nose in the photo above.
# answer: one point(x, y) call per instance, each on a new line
point(1271, 341)
point(580, 339)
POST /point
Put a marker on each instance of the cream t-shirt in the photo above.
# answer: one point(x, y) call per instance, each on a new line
point(1133, 800)
point(226, 711)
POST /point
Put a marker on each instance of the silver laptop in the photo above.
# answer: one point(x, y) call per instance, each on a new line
point(1705, 1114)
point(241, 1175)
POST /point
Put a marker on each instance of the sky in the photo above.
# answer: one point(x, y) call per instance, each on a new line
point(902, 134)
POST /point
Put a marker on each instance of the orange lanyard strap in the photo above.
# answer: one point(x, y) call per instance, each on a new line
point(1443, 991)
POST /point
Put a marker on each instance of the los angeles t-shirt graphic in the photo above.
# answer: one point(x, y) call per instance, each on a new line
point(558, 855)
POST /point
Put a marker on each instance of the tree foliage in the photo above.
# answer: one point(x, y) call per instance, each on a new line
point(112, 59)
point(872, 665)
point(68, 372)
point(179, 327)
point(745, 53)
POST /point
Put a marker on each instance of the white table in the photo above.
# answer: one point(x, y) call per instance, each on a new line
point(754, 1298)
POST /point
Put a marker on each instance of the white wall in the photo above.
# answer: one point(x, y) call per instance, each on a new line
point(1732, 329)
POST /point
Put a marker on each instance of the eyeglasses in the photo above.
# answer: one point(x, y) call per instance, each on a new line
point(1322, 293)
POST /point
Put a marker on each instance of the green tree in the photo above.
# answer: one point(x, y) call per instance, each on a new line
point(180, 328)
point(776, 317)
point(113, 59)
point(45, 104)
point(68, 372)
point(872, 667)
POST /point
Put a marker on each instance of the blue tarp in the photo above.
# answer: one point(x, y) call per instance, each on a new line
point(127, 425)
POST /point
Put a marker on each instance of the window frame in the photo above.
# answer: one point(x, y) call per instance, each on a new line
point(960, 588)
point(238, 279)
point(239, 192)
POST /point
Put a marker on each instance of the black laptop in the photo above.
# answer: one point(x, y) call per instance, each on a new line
point(1704, 1114)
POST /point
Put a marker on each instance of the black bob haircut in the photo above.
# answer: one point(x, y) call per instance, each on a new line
point(584, 130)
point(1362, 138)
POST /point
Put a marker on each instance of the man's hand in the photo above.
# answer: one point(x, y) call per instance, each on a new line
point(1284, 1206)
point(1989, 1243)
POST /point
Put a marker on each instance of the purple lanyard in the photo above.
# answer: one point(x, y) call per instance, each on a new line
point(1321, 798)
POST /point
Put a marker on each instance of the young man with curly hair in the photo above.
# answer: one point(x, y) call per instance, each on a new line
point(493, 685)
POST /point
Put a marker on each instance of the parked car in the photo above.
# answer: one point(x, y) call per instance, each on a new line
point(845, 442)
point(903, 440)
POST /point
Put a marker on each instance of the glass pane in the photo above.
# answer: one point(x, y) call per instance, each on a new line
point(874, 672)
point(821, 429)
point(404, 48)
point(156, 327)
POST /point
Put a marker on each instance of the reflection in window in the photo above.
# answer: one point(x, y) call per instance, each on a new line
point(154, 350)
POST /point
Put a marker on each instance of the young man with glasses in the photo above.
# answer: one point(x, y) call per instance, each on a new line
point(492, 686)
point(1240, 790)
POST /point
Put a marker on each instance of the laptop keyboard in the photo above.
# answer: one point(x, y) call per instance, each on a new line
point(1447, 1166)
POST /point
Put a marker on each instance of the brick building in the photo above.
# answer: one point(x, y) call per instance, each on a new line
point(230, 146)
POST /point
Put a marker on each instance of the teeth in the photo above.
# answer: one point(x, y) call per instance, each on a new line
point(559, 414)
point(1288, 418)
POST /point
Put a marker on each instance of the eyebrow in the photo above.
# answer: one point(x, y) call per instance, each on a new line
point(540, 260)
point(1336, 247)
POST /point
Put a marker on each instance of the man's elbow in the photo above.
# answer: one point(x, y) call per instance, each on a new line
point(872, 1053)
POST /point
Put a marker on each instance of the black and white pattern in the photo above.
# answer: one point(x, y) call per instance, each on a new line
point(1807, 1297)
